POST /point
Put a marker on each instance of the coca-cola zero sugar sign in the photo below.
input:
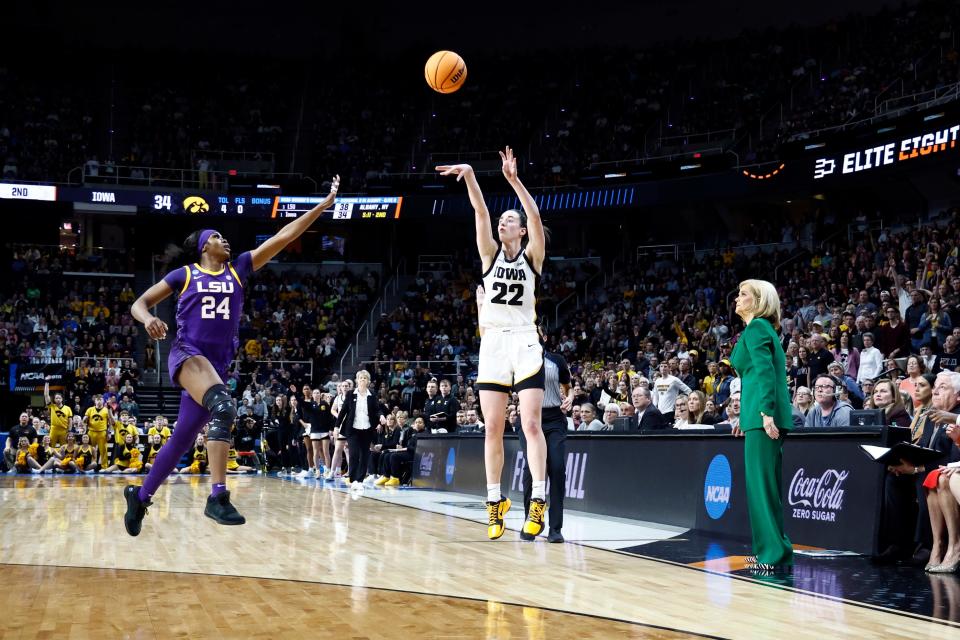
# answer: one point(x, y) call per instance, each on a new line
point(817, 498)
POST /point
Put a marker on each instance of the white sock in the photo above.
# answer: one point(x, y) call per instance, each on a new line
point(493, 492)
point(538, 490)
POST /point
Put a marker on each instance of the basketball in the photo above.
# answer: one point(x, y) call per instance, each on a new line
point(445, 71)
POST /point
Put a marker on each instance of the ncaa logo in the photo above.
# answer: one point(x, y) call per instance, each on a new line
point(451, 464)
point(716, 487)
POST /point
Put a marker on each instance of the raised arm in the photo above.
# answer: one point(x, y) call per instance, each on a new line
point(485, 243)
point(265, 252)
point(47, 401)
point(536, 241)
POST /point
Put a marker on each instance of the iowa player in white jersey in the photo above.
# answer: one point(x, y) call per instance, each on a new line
point(511, 355)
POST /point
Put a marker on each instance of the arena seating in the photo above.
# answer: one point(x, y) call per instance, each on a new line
point(752, 93)
point(662, 307)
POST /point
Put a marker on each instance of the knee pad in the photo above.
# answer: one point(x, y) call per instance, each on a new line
point(223, 413)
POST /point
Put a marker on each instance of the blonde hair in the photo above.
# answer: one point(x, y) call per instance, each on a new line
point(363, 373)
point(697, 417)
point(766, 300)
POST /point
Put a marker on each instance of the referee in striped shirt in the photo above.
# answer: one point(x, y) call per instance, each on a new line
point(556, 399)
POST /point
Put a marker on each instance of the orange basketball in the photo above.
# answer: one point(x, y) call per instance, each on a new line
point(445, 71)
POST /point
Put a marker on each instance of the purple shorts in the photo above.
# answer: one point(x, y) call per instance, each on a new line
point(180, 352)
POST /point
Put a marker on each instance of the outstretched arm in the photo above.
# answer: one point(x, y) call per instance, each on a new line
point(536, 242)
point(265, 252)
point(485, 244)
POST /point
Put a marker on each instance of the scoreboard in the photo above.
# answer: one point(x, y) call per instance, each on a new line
point(346, 208)
point(171, 202)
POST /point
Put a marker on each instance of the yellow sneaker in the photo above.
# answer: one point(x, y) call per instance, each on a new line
point(392, 482)
point(495, 514)
point(382, 480)
point(534, 524)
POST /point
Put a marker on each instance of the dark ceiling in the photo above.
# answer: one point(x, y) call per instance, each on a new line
point(285, 29)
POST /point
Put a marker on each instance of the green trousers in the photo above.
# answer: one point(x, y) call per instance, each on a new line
point(764, 458)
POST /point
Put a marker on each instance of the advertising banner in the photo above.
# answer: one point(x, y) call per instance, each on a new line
point(912, 141)
point(831, 491)
point(31, 377)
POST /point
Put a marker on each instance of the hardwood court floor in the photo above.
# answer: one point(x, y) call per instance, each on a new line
point(312, 559)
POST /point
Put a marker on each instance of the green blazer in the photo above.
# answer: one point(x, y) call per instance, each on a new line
point(759, 359)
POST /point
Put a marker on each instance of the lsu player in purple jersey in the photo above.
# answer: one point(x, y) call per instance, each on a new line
point(209, 301)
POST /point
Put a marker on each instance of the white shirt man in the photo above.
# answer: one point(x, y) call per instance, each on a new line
point(471, 421)
point(665, 390)
point(871, 360)
point(573, 420)
point(733, 410)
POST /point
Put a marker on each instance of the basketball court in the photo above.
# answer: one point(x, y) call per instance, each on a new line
point(410, 563)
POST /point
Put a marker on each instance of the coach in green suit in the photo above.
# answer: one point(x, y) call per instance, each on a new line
point(765, 416)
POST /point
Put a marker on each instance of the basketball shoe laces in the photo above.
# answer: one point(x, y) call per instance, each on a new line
point(536, 511)
point(493, 512)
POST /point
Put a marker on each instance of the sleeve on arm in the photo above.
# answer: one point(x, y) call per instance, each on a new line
point(842, 417)
point(766, 374)
point(177, 279)
point(903, 299)
point(243, 267)
point(563, 370)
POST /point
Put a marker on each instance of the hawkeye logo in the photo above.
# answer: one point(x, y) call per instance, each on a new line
point(195, 204)
point(716, 487)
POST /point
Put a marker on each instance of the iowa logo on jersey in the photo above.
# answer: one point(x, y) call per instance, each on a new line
point(195, 204)
point(510, 273)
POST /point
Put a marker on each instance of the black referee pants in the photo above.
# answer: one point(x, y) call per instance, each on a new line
point(289, 456)
point(358, 445)
point(555, 433)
